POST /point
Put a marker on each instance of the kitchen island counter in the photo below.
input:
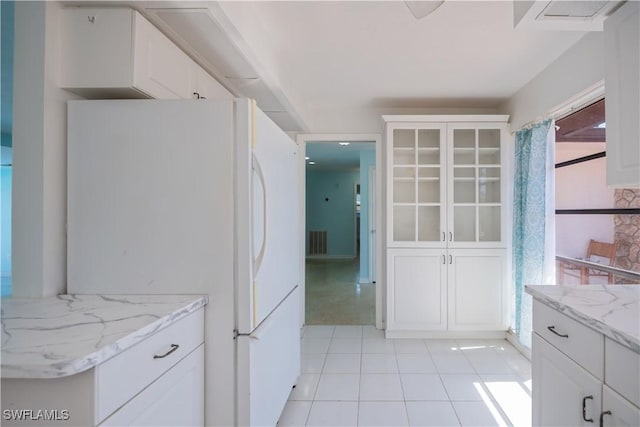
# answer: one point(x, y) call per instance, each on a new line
point(613, 310)
point(68, 334)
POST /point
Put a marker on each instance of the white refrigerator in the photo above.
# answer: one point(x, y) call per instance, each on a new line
point(195, 196)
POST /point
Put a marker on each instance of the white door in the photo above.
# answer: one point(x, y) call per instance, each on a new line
point(477, 294)
point(618, 411)
point(561, 389)
point(416, 289)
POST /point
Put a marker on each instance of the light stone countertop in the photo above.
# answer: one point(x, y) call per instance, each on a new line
point(67, 334)
point(613, 310)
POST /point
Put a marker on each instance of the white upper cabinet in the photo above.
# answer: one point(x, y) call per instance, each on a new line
point(622, 85)
point(117, 53)
point(209, 88)
point(445, 181)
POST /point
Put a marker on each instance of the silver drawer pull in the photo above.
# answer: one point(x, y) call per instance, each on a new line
point(553, 329)
point(174, 347)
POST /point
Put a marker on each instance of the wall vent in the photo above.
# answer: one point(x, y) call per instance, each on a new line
point(318, 242)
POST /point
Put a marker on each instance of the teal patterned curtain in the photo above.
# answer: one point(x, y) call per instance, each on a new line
point(533, 218)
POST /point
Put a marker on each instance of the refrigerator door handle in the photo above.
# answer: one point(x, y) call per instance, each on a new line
point(262, 329)
point(257, 262)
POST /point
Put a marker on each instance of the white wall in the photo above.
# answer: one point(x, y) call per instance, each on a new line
point(579, 68)
point(39, 154)
point(582, 186)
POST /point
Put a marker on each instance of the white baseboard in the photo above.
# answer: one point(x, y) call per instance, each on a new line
point(513, 340)
point(446, 334)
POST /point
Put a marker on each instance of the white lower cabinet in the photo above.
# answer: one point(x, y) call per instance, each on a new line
point(476, 289)
point(618, 411)
point(156, 382)
point(445, 290)
point(579, 377)
point(564, 394)
point(417, 295)
point(172, 400)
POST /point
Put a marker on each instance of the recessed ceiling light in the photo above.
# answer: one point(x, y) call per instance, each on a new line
point(306, 158)
point(312, 163)
point(344, 144)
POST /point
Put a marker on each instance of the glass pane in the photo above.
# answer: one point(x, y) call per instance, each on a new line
point(429, 146)
point(404, 138)
point(429, 172)
point(464, 185)
point(404, 172)
point(464, 143)
point(464, 223)
point(404, 222)
point(428, 156)
point(489, 189)
point(429, 191)
point(429, 223)
point(404, 191)
point(489, 217)
point(429, 138)
point(404, 152)
point(489, 146)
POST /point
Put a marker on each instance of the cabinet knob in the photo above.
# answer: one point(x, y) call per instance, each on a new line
point(91, 18)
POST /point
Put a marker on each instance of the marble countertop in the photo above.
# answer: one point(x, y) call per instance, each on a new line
point(67, 334)
point(613, 310)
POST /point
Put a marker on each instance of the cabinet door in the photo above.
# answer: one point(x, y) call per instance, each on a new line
point(174, 399)
point(561, 389)
point(161, 69)
point(622, 68)
point(208, 87)
point(416, 184)
point(476, 186)
point(416, 296)
point(476, 287)
point(619, 411)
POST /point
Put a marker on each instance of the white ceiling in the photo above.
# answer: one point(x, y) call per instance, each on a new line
point(343, 63)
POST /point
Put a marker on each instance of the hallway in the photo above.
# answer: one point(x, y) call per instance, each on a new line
point(334, 296)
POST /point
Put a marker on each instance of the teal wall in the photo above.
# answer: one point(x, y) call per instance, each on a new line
point(335, 215)
point(367, 159)
point(6, 119)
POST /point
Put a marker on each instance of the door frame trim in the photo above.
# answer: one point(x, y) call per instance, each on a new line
point(302, 139)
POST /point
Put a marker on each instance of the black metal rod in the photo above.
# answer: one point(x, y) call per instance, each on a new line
point(627, 211)
point(581, 159)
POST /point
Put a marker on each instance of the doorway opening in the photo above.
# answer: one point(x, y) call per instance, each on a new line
point(340, 238)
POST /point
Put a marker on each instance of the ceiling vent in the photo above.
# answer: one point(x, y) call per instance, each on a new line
point(570, 15)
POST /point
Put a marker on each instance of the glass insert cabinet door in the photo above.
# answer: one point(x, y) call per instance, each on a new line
point(417, 182)
point(475, 177)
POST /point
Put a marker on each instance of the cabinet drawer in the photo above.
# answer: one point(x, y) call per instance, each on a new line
point(125, 375)
point(580, 343)
point(622, 370)
point(174, 399)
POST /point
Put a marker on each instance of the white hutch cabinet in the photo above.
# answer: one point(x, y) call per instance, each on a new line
point(446, 223)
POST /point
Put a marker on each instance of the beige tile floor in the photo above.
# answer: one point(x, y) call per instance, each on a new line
point(334, 296)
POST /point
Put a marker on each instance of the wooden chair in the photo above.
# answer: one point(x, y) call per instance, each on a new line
point(600, 252)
